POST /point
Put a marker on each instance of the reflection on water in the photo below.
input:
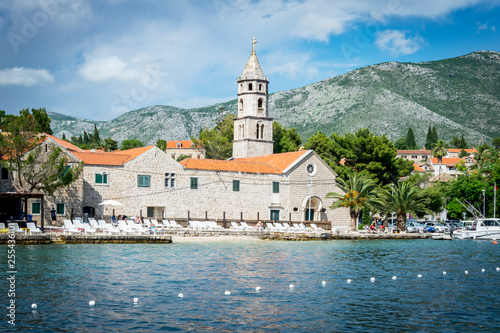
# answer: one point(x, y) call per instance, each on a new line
point(62, 279)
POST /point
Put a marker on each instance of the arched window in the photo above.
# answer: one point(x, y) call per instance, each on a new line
point(259, 103)
point(258, 126)
point(262, 131)
point(250, 86)
point(242, 131)
point(241, 104)
point(260, 86)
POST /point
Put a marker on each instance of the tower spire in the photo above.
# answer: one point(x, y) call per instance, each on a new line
point(253, 45)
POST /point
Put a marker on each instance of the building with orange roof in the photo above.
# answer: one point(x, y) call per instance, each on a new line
point(176, 149)
point(455, 152)
point(448, 165)
point(416, 155)
point(254, 185)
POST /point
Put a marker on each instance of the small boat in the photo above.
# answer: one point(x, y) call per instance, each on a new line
point(442, 237)
point(483, 228)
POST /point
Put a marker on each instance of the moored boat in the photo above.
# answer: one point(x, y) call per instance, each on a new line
point(483, 228)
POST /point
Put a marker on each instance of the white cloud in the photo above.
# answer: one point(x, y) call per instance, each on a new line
point(21, 76)
point(397, 42)
point(107, 68)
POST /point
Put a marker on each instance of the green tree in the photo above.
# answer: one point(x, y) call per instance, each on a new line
point(34, 169)
point(218, 141)
point(110, 144)
point(357, 195)
point(439, 151)
point(285, 140)
point(322, 145)
point(435, 137)
point(410, 139)
point(402, 199)
point(459, 143)
point(454, 209)
point(428, 139)
point(369, 154)
point(400, 144)
point(161, 144)
point(181, 158)
point(496, 143)
point(96, 140)
point(42, 121)
point(86, 139)
point(129, 144)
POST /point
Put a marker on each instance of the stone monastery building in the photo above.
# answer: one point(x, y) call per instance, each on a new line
point(254, 184)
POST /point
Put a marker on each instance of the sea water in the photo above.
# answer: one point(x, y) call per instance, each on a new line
point(63, 279)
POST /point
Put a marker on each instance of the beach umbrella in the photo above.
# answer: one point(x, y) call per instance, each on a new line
point(111, 203)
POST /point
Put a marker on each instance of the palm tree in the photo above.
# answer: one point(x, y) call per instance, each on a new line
point(440, 150)
point(358, 189)
point(403, 198)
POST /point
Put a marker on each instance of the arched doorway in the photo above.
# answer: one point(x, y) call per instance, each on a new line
point(311, 206)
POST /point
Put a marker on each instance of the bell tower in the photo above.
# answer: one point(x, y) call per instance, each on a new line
point(253, 129)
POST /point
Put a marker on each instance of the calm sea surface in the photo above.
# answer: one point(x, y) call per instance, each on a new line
point(62, 279)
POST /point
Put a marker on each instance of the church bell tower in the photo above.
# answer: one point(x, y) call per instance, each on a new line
point(253, 129)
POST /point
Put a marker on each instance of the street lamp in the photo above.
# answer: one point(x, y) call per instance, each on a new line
point(102, 194)
point(484, 203)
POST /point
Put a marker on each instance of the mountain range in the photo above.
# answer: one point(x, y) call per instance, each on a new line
point(458, 96)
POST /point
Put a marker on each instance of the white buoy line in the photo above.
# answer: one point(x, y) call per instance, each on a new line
point(291, 286)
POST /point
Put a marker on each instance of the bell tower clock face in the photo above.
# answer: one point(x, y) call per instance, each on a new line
point(311, 169)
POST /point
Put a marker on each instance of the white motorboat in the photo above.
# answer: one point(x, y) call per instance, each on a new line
point(483, 228)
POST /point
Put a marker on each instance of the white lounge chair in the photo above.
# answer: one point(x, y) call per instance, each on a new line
point(124, 227)
point(245, 226)
point(298, 228)
point(33, 228)
point(287, 227)
point(95, 225)
point(135, 227)
point(279, 226)
point(303, 226)
point(69, 227)
point(166, 224)
point(315, 228)
point(213, 225)
point(270, 227)
point(235, 226)
point(174, 224)
point(84, 226)
point(14, 226)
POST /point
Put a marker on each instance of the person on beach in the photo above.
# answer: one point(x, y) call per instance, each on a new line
point(53, 216)
point(138, 220)
point(113, 219)
point(258, 226)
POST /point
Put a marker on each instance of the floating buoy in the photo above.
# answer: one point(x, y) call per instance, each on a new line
point(444, 273)
point(291, 286)
point(483, 270)
point(394, 277)
point(495, 242)
point(33, 306)
point(349, 280)
point(323, 283)
point(466, 272)
point(498, 269)
point(257, 288)
point(227, 293)
point(136, 300)
point(181, 295)
point(372, 279)
point(419, 275)
point(91, 303)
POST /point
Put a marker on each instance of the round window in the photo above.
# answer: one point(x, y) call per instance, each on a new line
point(311, 169)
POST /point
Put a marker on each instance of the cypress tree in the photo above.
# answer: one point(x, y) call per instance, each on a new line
point(410, 139)
point(435, 137)
point(428, 139)
point(463, 143)
point(85, 138)
point(95, 138)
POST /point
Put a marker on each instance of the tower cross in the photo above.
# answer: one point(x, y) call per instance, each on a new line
point(253, 44)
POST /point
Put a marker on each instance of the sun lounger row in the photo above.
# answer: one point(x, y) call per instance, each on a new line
point(204, 225)
point(296, 227)
point(31, 228)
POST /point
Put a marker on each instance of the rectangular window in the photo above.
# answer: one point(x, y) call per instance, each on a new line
point(169, 179)
point(194, 183)
point(276, 187)
point(5, 173)
point(35, 208)
point(60, 209)
point(150, 212)
point(99, 179)
point(236, 185)
point(143, 180)
point(275, 215)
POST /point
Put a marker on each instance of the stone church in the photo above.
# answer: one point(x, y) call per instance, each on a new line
point(254, 184)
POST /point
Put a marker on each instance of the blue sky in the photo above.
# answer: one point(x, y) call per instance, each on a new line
point(99, 59)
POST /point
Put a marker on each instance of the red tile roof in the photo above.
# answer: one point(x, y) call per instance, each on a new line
point(64, 143)
point(184, 144)
point(418, 168)
point(269, 164)
point(420, 151)
point(117, 157)
point(454, 150)
point(446, 161)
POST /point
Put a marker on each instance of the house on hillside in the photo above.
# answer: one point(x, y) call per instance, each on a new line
point(455, 153)
point(448, 165)
point(176, 149)
point(417, 155)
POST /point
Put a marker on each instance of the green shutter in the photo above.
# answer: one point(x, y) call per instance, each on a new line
point(143, 180)
point(194, 183)
point(35, 208)
point(276, 187)
point(105, 178)
point(98, 178)
point(60, 209)
point(236, 185)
